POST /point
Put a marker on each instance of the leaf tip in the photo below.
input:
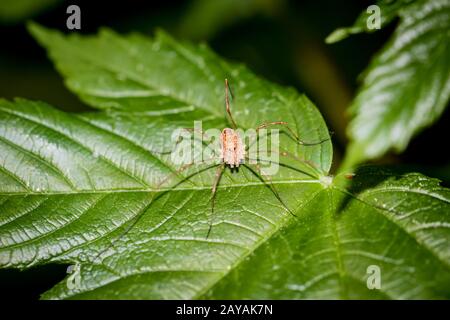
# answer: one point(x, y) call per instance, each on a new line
point(35, 29)
point(337, 35)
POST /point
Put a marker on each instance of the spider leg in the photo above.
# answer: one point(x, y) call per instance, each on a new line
point(227, 103)
point(139, 216)
point(260, 175)
point(195, 130)
point(204, 140)
point(192, 130)
point(161, 152)
point(284, 165)
point(286, 154)
point(175, 173)
point(183, 168)
point(297, 138)
point(217, 177)
point(178, 141)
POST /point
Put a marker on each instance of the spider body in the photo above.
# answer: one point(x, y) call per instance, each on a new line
point(232, 151)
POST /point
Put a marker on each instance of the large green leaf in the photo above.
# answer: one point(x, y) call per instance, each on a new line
point(81, 189)
point(135, 74)
point(396, 222)
point(407, 85)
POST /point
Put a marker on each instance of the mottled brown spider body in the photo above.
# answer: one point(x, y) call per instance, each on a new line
point(232, 151)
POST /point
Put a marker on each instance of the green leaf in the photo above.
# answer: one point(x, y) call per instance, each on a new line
point(396, 222)
point(407, 85)
point(164, 77)
point(389, 10)
point(81, 189)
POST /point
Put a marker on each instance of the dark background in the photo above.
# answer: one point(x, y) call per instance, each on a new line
point(280, 40)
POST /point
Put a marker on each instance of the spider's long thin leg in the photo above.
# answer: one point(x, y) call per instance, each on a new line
point(217, 177)
point(310, 164)
point(179, 140)
point(138, 217)
point(284, 153)
point(227, 103)
point(283, 165)
point(297, 138)
point(260, 175)
point(161, 152)
point(175, 173)
point(195, 130)
point(181, 169)
point(204, 138)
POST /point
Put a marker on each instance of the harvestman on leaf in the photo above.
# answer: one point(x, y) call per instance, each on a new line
point(233, 153)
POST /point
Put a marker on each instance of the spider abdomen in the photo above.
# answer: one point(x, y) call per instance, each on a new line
point(232, 148)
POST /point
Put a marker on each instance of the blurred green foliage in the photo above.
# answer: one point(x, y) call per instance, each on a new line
point(15, 11)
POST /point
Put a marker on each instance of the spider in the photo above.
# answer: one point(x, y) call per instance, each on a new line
point(233, 154)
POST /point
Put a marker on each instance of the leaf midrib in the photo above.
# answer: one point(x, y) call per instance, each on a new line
point(222, 273)
point(196, 188)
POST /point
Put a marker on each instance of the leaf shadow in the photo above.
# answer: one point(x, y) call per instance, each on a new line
point(364, 178)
